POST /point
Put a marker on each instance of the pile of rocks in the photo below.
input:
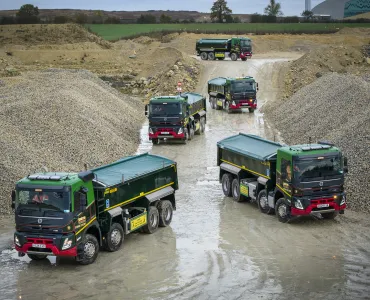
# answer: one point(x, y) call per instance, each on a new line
point(62, 119)
point(336, 108)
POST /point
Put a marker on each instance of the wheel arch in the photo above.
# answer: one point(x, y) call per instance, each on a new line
point(94, 229)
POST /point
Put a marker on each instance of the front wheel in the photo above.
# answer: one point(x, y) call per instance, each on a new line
point(262, 202)
point(330, 216)
point(186, 134)
point(234, 56)
point(89, 249)
point(282, 211)
point(226, 184)
point(153, 220)
point(191, 134)
point(244, 59)
point(114, 237)
point(251, 110)
point(155, 141)
point(227, 107)
point(204, 56)
point(37, 256)
point(165, 213)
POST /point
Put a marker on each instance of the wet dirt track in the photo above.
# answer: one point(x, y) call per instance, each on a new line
point(215, 248)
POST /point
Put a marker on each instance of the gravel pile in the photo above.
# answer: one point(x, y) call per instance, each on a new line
point(62, 119)
point(335, 107)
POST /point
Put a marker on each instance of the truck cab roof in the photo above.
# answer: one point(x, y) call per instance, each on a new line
point(309, 149)
point(51, 179)
point(184, 97)
point(225, 80)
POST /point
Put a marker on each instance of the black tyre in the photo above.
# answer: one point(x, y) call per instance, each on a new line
point(234, 56)
point(186, 134)
point(204, 56)
point(227, 107)
point(251, 110)
point(191, 134)
point(235, 189)
point(202, 125)
point(155, 141)
point(262, 202)
point(165, 213)
point(211, 56)
point(330, 216)
point(114, 238)
point(89, 248)
point(227, 180)
point(244, 59)
point(37, 256)
point(282, 211)
point(153, 220)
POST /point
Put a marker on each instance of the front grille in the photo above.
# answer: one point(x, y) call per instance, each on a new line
point(322, 201)
point(39, 241)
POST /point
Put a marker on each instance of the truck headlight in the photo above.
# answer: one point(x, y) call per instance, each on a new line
point(16, 241)
point(151, 130)
point(343, 201)
point(67, 244)
point(180, 131)
point(298, 204)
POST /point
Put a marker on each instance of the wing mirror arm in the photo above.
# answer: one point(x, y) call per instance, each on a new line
point(13, 199)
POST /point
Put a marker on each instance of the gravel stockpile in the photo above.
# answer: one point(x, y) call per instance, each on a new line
point(335, 108)
point(61, 120)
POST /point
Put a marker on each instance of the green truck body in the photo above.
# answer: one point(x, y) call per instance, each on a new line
point(221, 48)
point(288, 180)
point(176, 117)
point(233, 94)
point(66, 214)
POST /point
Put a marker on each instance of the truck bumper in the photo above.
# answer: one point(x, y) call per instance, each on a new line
point(44, 245)
point(169, 135)
point(246, 104)
point(314, 208)
point(246, 55)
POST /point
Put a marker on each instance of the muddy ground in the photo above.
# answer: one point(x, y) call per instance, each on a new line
point(215, 248)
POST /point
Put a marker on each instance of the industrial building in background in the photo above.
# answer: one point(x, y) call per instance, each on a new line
point(339, 9)
point(356, 7)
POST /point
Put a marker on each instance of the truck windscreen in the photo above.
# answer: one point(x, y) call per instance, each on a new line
point(324, 167)
point(243, 86)
point(245, 43)
point(57, 200)
point(165, 109)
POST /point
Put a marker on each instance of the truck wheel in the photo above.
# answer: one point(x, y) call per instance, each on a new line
point(114, 238)
point(234, 56)
point(226, 184)
point(191, 135)
point(251, 110)
point(89, 249)
point(211, 56)
point(153, 220)
point(244, 59)
point(330, 216)
point(204, 56)
point(263, 204)
point(165, 213)
point(36, 256)
point(227, 107)
point(202, 125)
point(155, 141)
point(235, 188)
point(186, 134)
point(282, 211)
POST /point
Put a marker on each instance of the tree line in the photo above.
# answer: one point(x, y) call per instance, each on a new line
point(220, 13)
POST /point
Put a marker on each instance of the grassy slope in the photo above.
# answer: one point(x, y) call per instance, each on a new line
point(116, 31)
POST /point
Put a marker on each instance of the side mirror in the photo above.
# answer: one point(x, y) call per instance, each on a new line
point(13, 199)
point(345, 170)
point(83, 200)
point(257, 87)
point(345, 161)
point(146, 110)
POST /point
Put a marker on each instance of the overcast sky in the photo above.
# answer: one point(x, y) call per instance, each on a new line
point(289, 7)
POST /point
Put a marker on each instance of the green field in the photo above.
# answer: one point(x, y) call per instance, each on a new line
point(116, 31)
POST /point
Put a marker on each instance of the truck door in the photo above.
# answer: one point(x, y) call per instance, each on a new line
point(286, 175)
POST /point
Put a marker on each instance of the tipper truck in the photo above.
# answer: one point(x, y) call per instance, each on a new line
point(176, 117)
point(234, 48)
point(288, 180)
point(75, 214)
point(233, 94)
